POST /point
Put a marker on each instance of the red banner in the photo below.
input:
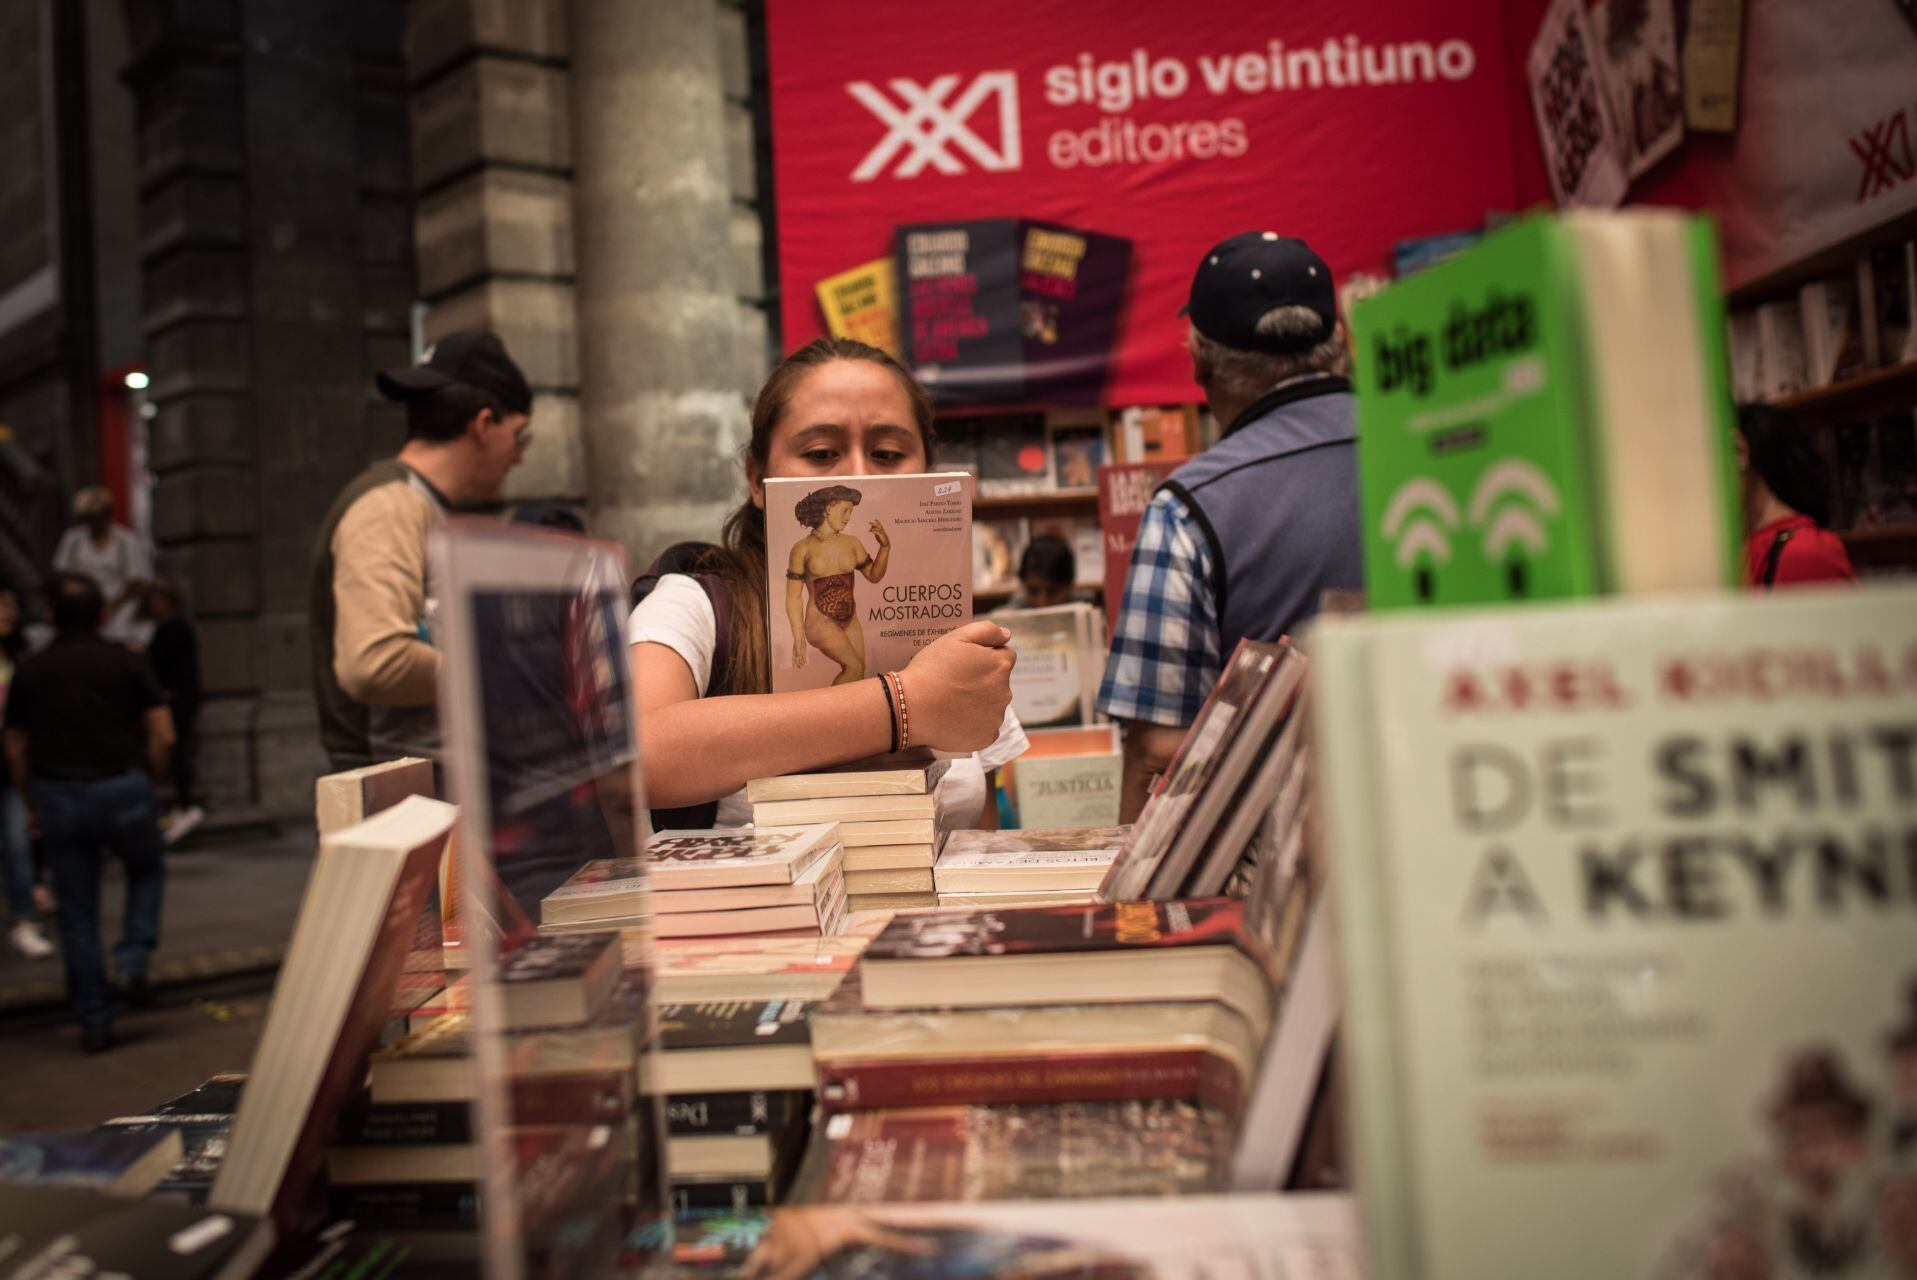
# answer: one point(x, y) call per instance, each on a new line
point(1353, 124)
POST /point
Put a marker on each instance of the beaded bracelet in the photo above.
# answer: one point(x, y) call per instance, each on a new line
point(905, 715)
point(891, 710)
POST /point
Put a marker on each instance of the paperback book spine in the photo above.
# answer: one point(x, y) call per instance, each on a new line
point(1179, 1074)
point(407, 1205)
point(739, 1113)
point(744, 1193)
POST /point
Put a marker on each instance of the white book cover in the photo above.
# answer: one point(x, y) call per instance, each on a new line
point(863, 572)
point(724, 856)
point(1628, 920)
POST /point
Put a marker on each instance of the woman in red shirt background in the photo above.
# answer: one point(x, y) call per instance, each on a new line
point(1786, 503)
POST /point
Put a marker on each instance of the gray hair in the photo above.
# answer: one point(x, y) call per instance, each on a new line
point(1246, 375)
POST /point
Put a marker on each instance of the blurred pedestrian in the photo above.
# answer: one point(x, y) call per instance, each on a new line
point(1047, 572)
point(113, 556)
point(375, 670)
point(27, 935)
point(174, 653)
point(87, 728)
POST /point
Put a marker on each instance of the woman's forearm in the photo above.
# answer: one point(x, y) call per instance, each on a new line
point(704, 749)
point(875, 570)
point(795, 609)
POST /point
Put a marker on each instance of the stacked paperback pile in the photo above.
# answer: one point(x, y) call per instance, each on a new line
point(982, 869)
point(1062, 1051)
point(407, 1154)
point(886, 810)
point(719, 883)
point(737, 1078)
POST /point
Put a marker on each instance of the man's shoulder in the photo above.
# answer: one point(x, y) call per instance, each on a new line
point(381, 491)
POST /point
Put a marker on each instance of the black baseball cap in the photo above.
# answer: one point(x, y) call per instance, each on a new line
point(1244, 277)
point(471, 357)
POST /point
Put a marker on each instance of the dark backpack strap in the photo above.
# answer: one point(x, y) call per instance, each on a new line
point(686, 558)
point(1768, 579)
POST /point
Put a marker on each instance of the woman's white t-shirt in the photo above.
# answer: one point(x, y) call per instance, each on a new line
point(677, 614)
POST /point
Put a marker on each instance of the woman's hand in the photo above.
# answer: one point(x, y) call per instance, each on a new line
point(878, 532)
point(957, 688)
point(798, 651)
point(795, 1245)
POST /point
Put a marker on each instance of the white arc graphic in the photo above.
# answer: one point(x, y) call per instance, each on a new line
point(1422, 535)
point(1420, 492)
point(1514, 476)
point(1514, 524)
point(926, 125)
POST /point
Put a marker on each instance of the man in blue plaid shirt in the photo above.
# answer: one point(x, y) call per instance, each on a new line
point(1243, 541)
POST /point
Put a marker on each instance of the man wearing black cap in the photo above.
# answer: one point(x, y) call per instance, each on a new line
point(375, 670)
point(1244, 539)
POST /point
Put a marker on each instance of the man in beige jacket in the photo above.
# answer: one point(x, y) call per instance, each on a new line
point(375, 670)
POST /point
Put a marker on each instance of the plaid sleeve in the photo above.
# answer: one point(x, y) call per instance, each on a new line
point(1164, 657)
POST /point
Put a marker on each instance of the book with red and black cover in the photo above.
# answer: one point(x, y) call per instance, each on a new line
point(1012, 1151)
point(1014, 457)
point(1198, 1050)
point(1211, 740)
point(1069, 954)
point(959, 309)
point(1125, 489)
point(1071, 286)
point(334, 989)
point(551, 1100)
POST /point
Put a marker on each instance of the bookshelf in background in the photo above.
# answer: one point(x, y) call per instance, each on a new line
point(1832, 339)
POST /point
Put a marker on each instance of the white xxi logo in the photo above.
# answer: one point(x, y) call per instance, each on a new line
point(922, 121)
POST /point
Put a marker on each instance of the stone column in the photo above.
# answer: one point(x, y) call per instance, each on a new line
point(657, 294)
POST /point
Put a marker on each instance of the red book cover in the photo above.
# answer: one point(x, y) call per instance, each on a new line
point(1173, 1074)
point(1124, 490)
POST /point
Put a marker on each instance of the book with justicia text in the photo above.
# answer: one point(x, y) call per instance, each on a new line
point(863, 574)
point(1547, 416)
point(1628, 922)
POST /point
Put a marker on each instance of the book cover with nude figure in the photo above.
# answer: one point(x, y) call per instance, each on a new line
point(863, 572)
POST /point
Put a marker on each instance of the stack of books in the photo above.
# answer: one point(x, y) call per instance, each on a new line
point(203, 1118)
point(1025, 868)
point(1113, 1046)
point(715, 883)
point(737, 1077)
point(886, 810)
point(407, 1155)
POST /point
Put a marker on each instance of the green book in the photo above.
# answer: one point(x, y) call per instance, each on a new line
point(1627, 896)
point(1547, 416)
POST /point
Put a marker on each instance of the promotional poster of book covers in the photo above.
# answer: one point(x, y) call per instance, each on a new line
point(1641, 888)
point(862, 576)
point(994, 311)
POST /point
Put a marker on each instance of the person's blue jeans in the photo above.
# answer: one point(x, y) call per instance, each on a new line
point(77, 820)
point(16, 854)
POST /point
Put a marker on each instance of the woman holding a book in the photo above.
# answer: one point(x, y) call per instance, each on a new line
point(700, 639)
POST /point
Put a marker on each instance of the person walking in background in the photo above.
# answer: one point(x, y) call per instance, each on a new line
point(174, 653)
point(24, 892)
point(113, 556)
point(371, 601)
point(1244, 540)
point(87, 729)
point(1786, 493)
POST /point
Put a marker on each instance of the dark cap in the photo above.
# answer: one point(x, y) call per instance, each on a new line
point(473, 358)
point(1248, 275)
